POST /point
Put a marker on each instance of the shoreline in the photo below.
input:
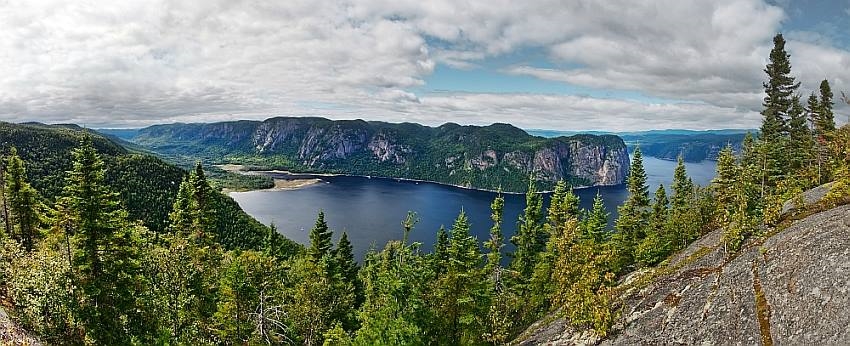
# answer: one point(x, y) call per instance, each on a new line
point(241, 169)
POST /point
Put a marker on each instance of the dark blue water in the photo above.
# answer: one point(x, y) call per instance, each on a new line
point(371, 210)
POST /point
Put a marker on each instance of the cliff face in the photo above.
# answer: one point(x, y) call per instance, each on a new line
point(788, 289)
point(484, 157)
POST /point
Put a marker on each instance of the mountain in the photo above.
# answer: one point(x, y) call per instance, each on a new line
point(788, 287)
point(147, 185)
point(489, 157)
point(693, 145)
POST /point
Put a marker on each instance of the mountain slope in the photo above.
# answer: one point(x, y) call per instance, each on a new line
point(790, 288)
point(490, 157)
point(146, 184)
point(694, 146)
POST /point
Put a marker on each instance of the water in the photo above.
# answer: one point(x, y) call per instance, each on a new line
point(371, 210)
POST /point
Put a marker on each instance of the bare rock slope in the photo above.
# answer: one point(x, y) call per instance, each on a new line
point(792, 288)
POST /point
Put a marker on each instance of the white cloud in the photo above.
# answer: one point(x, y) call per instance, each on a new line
point(134, 63)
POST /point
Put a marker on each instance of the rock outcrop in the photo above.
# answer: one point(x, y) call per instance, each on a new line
point(789, 289)
point(488, 157)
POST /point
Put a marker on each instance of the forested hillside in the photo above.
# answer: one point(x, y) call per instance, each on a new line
point(75, 269)
point(147, 186)
point(490, 157)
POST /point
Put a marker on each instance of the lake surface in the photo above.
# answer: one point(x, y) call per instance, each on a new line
point(371, 210)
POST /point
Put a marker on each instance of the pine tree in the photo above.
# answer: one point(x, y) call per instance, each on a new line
point(632, 221)
point(659, 208)
point(800, 140)
point(462, 288)
point(495, 243)
point(779, 90)
point(826, 118)
point(724, 183)
point(201, 205)
point(529, 239)
point(273, 243)
point(500, 321)
point(683, 224)
point(441, 252)
point(23, 202)
point(595, 223)
point(181, 215)
point(106, 249)
point(320, 239)
point(345, 258)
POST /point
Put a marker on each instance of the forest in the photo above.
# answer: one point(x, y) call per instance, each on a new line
point(89, 257)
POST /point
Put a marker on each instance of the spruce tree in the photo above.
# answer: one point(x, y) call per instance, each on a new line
point(462, 288)
point(800, 139)
point(201, 205)
point(724, 183)
point(779, 90)
point(441, 252)
point(595, 223)
point(826, 118)
point(659, 208)
point(105, 254)
point(683, 188)
point(529, 239)
point(632, 220)
point(23, 202)
point(181, 215)
point(495, 243)
point(320, 239)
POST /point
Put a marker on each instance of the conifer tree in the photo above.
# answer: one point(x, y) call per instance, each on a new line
point(632, 221)
point(441, 251)
point(320, 239)
point(529, 239)
point(105, 256)
point(683, 187)
point(724, 183)
point(659, 208)
point(826, 118)
point(595, 223)
point(495, 243)
point(181, 215)
point(201, 205)
point(273, 243)
point(779, 90)
point(800, 136)
point(462, 288)
point(23, 202)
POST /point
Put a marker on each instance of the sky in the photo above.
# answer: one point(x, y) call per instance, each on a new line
point(617, 65)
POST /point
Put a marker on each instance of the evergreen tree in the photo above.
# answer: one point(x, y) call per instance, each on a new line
point(462, 289)
point(659, 208)
point(683, 187)
point(529, 239)
point(181, 215)
point(105, 257)
point(23, 202)
point(201, 205)
point(320, 239)
point(441, 251)
point(595, 223)
point(724, 183)
point(632, 221)
point(779, 90)
point(800, 140)
point(826, 118)
point(348, 269)
point(495, 243)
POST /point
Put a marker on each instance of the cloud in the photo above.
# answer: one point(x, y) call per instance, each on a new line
point(135, 63)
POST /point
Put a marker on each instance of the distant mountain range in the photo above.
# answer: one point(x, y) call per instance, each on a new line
point(693, 145)
point(486, 157)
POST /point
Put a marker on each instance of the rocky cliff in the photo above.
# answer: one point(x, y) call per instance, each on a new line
point(790, 288)
point(490, 157)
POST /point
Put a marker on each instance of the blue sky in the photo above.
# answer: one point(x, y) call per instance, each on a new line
point(616, 65)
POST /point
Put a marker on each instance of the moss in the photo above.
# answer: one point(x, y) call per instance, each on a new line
point(762, 309)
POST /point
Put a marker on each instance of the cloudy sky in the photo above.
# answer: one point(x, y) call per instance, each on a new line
point(568, 65)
